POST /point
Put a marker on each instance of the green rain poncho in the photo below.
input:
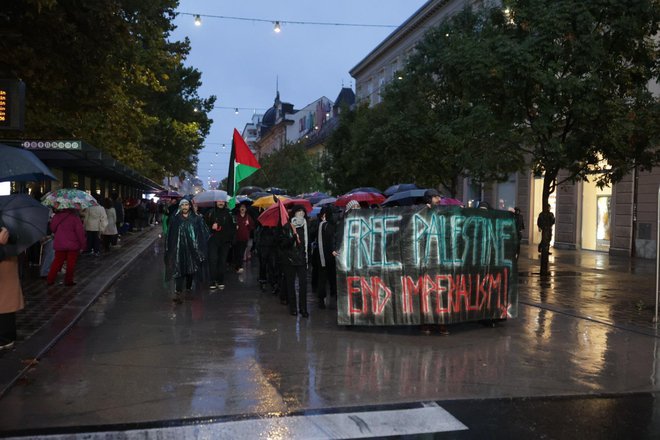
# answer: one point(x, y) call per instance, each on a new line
point(185, 253)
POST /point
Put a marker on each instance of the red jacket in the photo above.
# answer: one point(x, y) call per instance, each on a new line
point(244, 225)
point(69, 231)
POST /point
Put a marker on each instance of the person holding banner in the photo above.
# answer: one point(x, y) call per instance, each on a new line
point(294, 242)
point(432, 198)
point(323, 258)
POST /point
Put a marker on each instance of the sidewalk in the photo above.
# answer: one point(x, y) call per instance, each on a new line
point(611, 290)
point(51, 311)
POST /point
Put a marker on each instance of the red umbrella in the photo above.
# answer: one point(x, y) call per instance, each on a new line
point(362, 197)
point(276, 214)
point(448, 201)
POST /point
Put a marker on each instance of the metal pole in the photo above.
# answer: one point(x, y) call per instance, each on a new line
point(657, 261)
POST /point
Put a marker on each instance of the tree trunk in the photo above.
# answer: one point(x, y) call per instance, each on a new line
point(548, 188)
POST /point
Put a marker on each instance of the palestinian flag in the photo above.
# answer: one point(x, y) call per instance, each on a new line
point(242, 164)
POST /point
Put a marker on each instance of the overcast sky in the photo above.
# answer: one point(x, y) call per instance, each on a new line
point(242, 60)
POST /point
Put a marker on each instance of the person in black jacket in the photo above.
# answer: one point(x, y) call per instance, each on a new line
point(293, 246)
point(221, 224)
point(324, 260)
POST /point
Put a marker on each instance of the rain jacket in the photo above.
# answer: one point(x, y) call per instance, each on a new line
point(185, 251)
point(225, 220)
point(69, 232)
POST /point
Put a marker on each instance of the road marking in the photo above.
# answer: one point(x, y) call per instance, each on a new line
point(429, 419)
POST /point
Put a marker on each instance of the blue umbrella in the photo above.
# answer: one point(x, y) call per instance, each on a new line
point(19, 165)
point(400, 187)
point(405, 198)
point(326, 201)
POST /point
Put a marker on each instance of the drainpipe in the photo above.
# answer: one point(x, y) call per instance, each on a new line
point(633, 212)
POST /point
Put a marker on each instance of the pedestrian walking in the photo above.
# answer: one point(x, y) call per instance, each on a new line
point(69, 240)
point(244, 226)
point(109, 234)
point(95, 220)
point(118, 204)
point(222, 229)
point(520, 226)
point(185, 251)
point(11, 293)
point(545, 223)
point(294, 242)
point(324, 261)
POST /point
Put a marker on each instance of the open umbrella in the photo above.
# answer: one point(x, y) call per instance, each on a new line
point(273, 216)
point(267, 201)
point(370, 198)
point(328, 201)
point(68, 198)
point(25, 218)
point(168, 194)
point(448, 201)
point(248, 190)
point(400, 187)
point(405, 198)
point(366, 189)
point(208, 198)
point(19, 165)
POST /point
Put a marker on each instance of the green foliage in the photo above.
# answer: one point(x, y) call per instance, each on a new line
point(106, 73)
point(289, 167)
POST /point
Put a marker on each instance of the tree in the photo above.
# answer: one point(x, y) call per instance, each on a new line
point(105, 72)
point(289, 167)
point(569, 81)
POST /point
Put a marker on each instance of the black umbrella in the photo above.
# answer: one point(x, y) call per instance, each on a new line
point(19, 165)
point(400, 187)
point(405, 198)
point(248, 190)
point(25, 218)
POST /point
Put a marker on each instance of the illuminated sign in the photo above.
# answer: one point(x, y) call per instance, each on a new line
point(52, 145)
point(12, 104)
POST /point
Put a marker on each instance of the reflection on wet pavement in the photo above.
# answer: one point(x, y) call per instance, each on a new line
point(136, 357)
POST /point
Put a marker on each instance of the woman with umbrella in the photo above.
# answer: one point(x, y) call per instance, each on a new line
point(69, 241)
point(11, 294)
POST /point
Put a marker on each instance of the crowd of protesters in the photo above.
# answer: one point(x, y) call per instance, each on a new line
point(201, 244)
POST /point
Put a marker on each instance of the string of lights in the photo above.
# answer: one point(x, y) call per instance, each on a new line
point(278, 23)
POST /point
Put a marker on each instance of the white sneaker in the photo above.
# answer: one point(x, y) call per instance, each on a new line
point(7, 346)
point(240, 270)
point(222, 287)
point(213, 286)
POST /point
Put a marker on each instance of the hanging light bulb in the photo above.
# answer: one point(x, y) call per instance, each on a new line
point(198, 20)
point(277, 27)
point(236, 110)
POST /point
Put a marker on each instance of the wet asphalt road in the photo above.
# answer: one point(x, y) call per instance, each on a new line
point(136, 358)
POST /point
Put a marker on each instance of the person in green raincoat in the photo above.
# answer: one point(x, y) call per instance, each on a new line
point(185, 250)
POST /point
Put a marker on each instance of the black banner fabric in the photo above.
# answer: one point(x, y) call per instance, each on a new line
point(419, 265)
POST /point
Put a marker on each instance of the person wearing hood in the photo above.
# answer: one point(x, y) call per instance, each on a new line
point(11, 293)
point(432, 198)
point(244, 226)
point(185, 250)
point(323, 258)
point(221, 224)
point(294, 245)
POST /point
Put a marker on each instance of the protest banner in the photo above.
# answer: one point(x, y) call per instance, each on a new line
point(419, 265)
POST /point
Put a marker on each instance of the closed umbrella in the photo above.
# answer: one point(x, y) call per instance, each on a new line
point(68, 198)
point(19, 165)
point(208, 198)
point(25, 218)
